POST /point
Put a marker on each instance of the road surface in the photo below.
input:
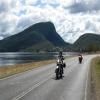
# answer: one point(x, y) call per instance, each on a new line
point(40, 83)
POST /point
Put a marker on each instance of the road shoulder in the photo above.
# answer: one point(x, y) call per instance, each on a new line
point(95, 79)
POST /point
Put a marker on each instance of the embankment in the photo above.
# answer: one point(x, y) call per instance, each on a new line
point(18, 68)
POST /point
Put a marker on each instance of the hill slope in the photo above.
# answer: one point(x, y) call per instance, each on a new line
point(87, 42)
point(40, 36)
point(48, 30)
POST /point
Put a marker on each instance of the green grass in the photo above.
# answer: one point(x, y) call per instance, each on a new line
point(95, 64)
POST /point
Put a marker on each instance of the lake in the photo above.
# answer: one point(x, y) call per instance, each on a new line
point(11, 58)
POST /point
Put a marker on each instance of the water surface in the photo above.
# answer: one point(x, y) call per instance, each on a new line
point(11, 58)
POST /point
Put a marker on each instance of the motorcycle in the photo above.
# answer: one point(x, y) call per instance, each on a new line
point(59, 71)
point(80, 59)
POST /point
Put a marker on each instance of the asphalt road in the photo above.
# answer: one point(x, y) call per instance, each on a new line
point(40, 83)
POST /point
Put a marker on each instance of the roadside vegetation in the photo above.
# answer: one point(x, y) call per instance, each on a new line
point(95, 64)
point(6, 71)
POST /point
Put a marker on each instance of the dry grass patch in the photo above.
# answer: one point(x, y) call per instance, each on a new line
point(96, 76)
point(18, 68)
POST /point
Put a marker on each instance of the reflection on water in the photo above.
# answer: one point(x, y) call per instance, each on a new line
point(22, 57)
point(11, 58)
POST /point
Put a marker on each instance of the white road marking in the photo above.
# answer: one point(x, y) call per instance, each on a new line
point(30, 89)
point(86, 87)
point(35, 86)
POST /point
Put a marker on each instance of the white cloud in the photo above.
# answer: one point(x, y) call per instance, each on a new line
point(70, 19)
point(66, 3)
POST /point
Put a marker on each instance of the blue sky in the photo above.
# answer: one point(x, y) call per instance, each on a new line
point(71, 18)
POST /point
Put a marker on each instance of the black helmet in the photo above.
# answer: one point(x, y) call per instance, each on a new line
point(60, 53)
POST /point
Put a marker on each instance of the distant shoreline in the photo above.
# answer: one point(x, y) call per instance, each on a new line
point(12, 58)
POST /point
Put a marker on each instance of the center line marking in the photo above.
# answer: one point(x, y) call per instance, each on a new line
point(30, 89)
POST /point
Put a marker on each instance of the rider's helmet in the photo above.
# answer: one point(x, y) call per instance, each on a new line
point(60, 53)
point(80, 56)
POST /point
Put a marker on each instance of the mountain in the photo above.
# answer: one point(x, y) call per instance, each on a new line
point(40, 36)
point(87, 42)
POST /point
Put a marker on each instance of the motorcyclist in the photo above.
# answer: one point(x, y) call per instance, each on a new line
point(60, 56)
point(60, 62)
point(80, 58)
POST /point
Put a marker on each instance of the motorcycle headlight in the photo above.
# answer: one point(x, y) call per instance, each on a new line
point(57, 67)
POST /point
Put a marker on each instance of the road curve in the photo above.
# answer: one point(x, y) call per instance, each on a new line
point(40, 83)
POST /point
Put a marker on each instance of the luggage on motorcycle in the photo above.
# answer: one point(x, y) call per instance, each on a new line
point(57, 64)
point(64, 65)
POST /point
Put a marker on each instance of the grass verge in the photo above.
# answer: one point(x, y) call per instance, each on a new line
point(6, 71)
point(95, 73)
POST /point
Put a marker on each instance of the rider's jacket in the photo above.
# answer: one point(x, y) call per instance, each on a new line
point(80, 57)
point(59, 63)
point(61, 58)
